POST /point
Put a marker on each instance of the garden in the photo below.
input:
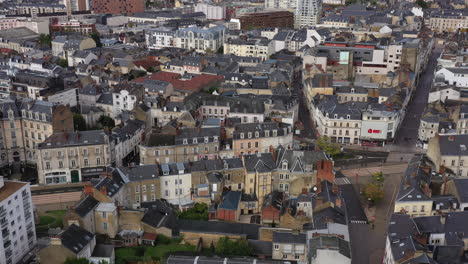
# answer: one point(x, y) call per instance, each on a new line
point(50, 219)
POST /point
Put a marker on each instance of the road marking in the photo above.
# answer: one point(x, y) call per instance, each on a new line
point(342, 181)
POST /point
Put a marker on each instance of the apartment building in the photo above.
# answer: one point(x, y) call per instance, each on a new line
point(258, 177)
point(18, 234)
point(189, 144)
point(340, 122)
point(449, 153)
point(200, 39)
point(176, 183)
point(28, 122)
point(379, 125)
point(159, 38)
point(266, 19)
point(120, 7)
point(448, 20)
point(249, 138)
point(457, 76)
point(143, 185)
point(252, 47)
point(211, 11)
point(307, 13)
point(290, 246)
point(74, 156)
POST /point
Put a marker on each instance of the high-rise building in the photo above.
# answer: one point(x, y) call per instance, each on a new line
point(128, 7)
point(18, 235)
point(307, 13)
point(281, 4)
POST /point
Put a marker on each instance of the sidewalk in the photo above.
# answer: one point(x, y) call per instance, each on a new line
point(388, 148)
point(386, 170)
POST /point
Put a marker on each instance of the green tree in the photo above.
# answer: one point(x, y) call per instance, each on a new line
point(378, 178)
point(324, 143)
point(95, 36)
point(221, 50)
point(198, 212)
point(76, 261)
point(422, 4)
point(62, 63)
point(228, 247)
point(106, 121)
point(45, 40)
point(373, 192)
point(79, 122)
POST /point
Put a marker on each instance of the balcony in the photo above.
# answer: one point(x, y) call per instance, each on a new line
point(72, 155)
point(61, 157)
point(47, 158)
point(7, 244)
point(3, 213)
point(3, 223)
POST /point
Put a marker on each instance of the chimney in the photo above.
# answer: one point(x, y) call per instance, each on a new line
point(427, 191)
point(336, 190)
point(304, 191)
point(451, 138)
point(338, 202)
point(88, 189)
point(104, 190)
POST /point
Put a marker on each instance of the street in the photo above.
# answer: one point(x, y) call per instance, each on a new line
point(410, 125)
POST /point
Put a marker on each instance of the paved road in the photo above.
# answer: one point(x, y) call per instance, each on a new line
point(410, 125)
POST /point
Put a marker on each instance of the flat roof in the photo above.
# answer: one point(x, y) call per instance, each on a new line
point(10, 188)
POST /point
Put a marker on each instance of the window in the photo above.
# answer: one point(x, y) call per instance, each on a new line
point(86, 162)
point(166, 192)
point(296, 256)
point(143, 188)
point(281, 176)
point(61, 164)
point(276, 247)
point(137, 188)
point(48, 165)
point(195, 141)
point(85, 152)
point(104, 226)
point(422, 208)
point(415, 208)
point(184, 142)
point(98, 161)
point(97, 150)
point(73, 163)
point(153, 197)
point(104, 214)
point(285, 256)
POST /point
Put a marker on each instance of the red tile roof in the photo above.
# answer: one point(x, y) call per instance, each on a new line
point(193, 85)
point(147, 63)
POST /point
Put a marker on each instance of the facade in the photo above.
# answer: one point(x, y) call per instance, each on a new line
point(117, 8)
point(457, 76)
point(447, 20)
point(106, 218)
point(252, 138)
point(18, 234)
point(307, 13)
point(74, 157)
point(176, 183)
point(249, 48)
point(266, 19)
point(289, 246)
point(211, 11)
point(449, 152)
point(200, 39)
point(160, 38)
point(143, 185)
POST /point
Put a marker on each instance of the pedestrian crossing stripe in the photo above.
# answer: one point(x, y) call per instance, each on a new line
point(342, 181)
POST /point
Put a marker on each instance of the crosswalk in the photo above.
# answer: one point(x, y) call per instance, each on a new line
point(342, 181)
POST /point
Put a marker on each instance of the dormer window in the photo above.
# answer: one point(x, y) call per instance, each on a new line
point(275, 133)
point(352, 90)
point(30, 115)
point(249, 134)
point(10, 114)
point(285, 166)
point(44, 117)
point(267, 133)
point(206, 140)
point(335, 116)
point(215, 139)
point(242, 135)
point(256, 134)
point(326, 114)
point(348, 117)
point(226, 165)
point(195, 141)
point(23, 113)
point(36, 116)
point(185, 141)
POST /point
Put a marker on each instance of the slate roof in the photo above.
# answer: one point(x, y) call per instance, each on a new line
point(75, 238)
point(328, 215)
point(261, 162)
point(103, 251)
point(454, 145)
point(81, 138)
point(275, 199)
point(230, 200)
point(112, 184)
point(160, 215)
point(289, 238)
point(282, 129)
point(86, 205)
point(198, 226)
point(141, 172)
point(414, 177)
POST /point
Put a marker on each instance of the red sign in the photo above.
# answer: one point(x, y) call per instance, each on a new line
point(373, 131)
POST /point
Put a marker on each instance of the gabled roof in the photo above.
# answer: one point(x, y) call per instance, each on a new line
point(261, 162)
point(86, 205)
point(76, 238)
point(289, 238)
point(230, 200)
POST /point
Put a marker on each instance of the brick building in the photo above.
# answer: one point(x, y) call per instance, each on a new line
point(276, 19)
point(118, 6)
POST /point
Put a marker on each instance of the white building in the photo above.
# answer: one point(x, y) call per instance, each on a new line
point(280, 4)
point(200, 39)
point(453, 76)
point(18, 234)
point(379, 125)
point(307, 13)
point(159, 38)
point(176, 183)
point(123, 101)
point(211, 11)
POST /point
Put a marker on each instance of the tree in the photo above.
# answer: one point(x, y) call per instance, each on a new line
point(62, 63)
point(422, 4)
point(373, 192)
point(106, 121)
point(221, 50)
point(228, 247)
point(329, 147)
point(198, 212)
point(95, 36)
point(79, 122)
point(378, 178)
point(76, 261)
point(45, 40)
